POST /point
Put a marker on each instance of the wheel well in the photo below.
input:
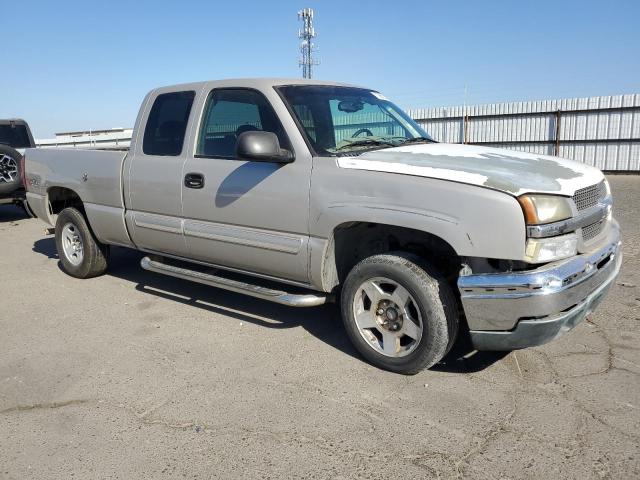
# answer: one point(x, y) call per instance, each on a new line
point(61, 198)
point(355, 241)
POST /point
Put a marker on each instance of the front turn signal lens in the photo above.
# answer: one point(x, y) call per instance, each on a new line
point(540, 209)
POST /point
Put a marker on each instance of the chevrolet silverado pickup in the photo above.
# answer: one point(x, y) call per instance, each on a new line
point(304, 192)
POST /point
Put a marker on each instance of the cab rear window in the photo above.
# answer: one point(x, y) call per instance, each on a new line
point(15, 136)
point(167, 124)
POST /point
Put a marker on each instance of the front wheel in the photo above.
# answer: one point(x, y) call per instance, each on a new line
point(399, 312)
point(81, 254)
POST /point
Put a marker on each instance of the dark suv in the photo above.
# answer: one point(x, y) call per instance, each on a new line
point(15, 137)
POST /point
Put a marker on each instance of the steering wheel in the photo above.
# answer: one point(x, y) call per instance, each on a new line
point(245, 128)
point(362, 130)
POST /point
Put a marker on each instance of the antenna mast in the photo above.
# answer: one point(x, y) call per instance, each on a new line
point(307, 48)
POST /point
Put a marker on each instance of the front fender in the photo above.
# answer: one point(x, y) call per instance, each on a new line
point(475, 221)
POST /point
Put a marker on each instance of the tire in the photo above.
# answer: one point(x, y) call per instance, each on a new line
point(424, 325)
point(81, 255)
point(10, 178)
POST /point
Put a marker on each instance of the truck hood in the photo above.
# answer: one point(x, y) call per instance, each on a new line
point(508, 171)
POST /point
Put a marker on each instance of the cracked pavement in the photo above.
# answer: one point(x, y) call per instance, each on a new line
point(135, 375)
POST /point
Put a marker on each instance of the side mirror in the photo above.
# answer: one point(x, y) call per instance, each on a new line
point(261, 146)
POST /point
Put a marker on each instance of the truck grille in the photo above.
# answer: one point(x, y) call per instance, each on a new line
point(589, 196)
point(592, 231)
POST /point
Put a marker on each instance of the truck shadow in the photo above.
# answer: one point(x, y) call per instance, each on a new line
point(322, 322)
point(11, 213)
point(47, 247)
point(463, 358)
point(242, 180)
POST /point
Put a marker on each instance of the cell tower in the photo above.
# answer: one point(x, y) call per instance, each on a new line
point(307, 48)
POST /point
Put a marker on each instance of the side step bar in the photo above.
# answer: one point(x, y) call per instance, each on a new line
point(277, 296)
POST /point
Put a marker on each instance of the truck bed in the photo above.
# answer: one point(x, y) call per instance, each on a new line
point(94, 175)
point(68, 167)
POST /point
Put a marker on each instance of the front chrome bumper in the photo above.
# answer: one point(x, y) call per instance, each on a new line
point(507, 311)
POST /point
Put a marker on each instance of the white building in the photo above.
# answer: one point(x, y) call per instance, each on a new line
point(111, 139)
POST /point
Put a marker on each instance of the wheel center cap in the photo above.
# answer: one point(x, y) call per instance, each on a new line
point(391, 314)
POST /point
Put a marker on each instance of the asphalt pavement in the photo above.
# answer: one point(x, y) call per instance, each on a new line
point(133, 375)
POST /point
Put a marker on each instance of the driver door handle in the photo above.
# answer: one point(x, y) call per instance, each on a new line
point(194, 180)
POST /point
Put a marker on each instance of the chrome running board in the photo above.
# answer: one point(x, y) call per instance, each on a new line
point(278, 296)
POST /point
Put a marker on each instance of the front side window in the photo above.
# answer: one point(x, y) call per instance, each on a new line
point(167, 124)
point(230, 112)
point(347, 120)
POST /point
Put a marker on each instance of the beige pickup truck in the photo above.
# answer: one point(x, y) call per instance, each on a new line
point(309, 192)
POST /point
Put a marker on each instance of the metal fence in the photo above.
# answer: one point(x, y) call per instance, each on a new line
point(113, 139)
point(599, 131)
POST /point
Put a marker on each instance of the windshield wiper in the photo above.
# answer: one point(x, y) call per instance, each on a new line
point(364, 142)
point(418, 140)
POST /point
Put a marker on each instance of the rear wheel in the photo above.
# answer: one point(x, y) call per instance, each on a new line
point(81, 254)
point(9, 169)
point(399, 312)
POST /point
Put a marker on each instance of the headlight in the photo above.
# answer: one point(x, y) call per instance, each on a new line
point(539, 209)
point(540, 250)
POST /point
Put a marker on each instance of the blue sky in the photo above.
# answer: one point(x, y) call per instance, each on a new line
point(77, 65)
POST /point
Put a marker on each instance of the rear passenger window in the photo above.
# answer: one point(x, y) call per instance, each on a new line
point(231, 112)
point(167, 124)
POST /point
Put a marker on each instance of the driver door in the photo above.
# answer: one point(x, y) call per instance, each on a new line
point(246, 215)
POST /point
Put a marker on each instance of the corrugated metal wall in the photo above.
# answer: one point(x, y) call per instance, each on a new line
point(599, 131)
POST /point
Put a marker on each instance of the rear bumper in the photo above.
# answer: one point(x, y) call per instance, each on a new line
point(524, 309)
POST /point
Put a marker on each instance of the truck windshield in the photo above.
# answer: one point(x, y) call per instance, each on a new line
point(346, 120)
point(15, 136)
